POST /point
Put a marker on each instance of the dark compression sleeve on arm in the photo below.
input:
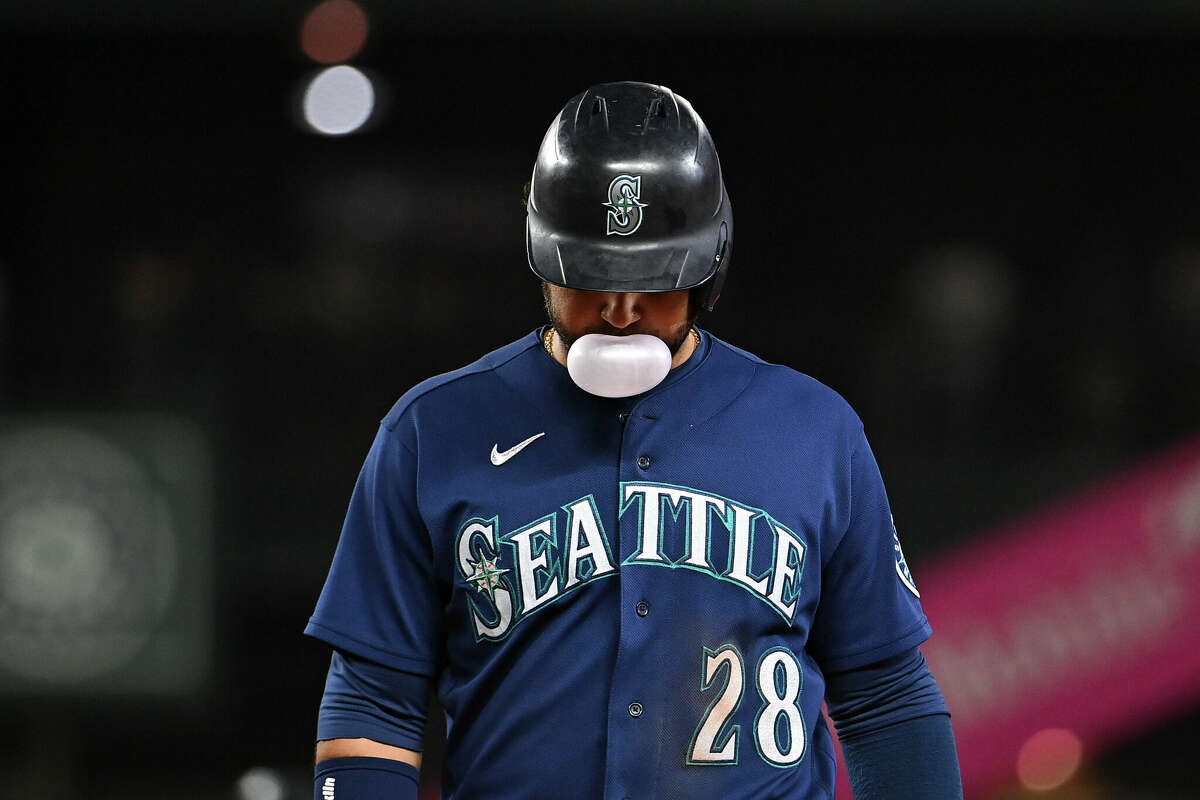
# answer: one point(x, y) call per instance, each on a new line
point(360, 778)
point(370, 701)
point(915, 758)
point(895, 730)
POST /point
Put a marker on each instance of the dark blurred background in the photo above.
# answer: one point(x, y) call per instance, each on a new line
point(978, 222)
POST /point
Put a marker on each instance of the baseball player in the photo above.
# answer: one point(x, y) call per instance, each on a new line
point(631, 559)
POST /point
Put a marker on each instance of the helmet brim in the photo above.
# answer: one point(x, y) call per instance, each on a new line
point(618, 265)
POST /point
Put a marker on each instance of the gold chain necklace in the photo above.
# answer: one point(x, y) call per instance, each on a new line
point(548, 340)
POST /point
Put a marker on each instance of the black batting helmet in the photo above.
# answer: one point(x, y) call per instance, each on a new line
point(627, 196)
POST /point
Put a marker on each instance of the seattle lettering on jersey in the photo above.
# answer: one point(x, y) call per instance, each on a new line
point(523, 571)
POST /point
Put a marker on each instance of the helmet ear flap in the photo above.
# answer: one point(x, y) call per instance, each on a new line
point(712, 287)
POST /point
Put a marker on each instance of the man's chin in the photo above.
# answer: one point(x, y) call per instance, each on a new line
point(673, 344)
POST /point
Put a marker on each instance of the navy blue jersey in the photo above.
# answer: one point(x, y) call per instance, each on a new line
point(623, 598)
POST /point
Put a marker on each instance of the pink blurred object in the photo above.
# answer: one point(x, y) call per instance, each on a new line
point(1083, 616)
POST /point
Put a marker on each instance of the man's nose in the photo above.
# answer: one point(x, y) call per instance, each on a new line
point(621, 309)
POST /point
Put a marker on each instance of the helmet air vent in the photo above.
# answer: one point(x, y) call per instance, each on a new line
point(599, 112)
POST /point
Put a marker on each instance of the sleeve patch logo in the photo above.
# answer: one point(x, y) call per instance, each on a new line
point(901, 565)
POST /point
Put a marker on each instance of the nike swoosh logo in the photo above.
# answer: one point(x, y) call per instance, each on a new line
point(499, 458)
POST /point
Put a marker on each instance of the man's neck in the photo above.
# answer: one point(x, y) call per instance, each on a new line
point(685, 350)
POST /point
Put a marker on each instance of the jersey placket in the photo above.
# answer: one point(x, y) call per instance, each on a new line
point(636, 702)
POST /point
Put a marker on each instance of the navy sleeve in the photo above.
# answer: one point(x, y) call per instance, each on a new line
point(895, 730)
point(914, 758)
point(370, 701)
point(868, 698)
point(381, 600)
point(365, 778)
point(869, 607)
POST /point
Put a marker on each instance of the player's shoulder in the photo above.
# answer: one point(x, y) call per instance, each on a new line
point(448, 385)
point(785, 384)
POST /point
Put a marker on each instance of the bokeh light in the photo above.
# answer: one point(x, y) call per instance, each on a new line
point(339, 100)
point(334, 31)
point(88, 555)
point(1048, 759)
point(261, 783)
point(965, 293)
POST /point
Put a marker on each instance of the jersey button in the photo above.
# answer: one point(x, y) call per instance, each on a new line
point(644, 462)
point(624, 415)
point(643, 608)
point(635, 709)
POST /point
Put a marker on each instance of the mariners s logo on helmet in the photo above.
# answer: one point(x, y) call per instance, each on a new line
point(625, 205)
